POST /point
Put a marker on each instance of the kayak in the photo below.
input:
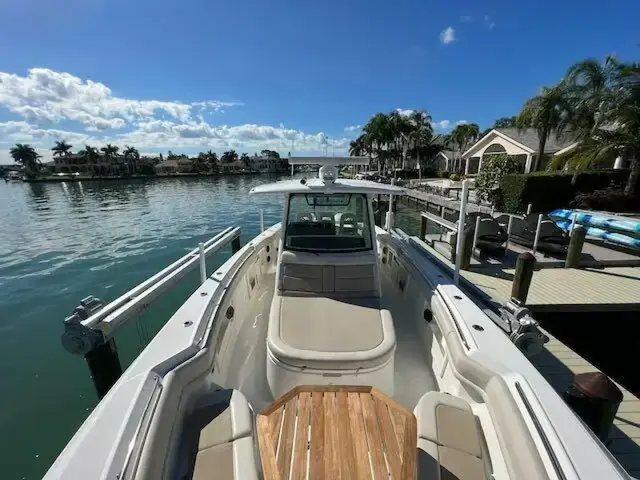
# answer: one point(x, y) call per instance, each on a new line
point(624, 225)
point(595, 232)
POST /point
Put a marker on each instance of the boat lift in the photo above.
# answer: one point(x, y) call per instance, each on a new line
point(90, 329)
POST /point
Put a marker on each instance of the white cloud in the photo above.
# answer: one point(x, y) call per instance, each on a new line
point(46, 96)
point(462, 122)
point(352, 128)
point(488, 22)
point(466, 18)
point(403, 112)
point(448, 35)
point(442, 124)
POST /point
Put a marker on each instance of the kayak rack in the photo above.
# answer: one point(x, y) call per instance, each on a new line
point(90, 329)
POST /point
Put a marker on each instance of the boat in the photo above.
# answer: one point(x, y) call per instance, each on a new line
point(552, 239)
point(326, 347)
point(13, 176)
point(616, 229)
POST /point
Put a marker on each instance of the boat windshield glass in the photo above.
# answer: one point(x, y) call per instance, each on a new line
point(328, 223)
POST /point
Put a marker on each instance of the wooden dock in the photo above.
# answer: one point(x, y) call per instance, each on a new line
point(558, 364)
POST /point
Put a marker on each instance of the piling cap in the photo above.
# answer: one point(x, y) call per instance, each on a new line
point(597, 385)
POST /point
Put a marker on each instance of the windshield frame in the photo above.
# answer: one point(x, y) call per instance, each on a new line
point(367, 218)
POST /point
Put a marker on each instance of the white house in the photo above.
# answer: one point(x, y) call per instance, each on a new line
point(523, 145)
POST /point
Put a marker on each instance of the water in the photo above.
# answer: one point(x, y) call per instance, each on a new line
point(60, 242)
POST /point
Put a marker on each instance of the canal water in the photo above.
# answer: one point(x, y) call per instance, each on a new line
point(60, 242)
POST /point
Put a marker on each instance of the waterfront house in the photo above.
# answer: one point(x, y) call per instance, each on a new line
point(77, 163)
point(520, 144)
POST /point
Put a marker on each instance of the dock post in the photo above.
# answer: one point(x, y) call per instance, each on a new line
point(475, 234)
point(575, 247)
point(535, 240)
point(235, 245)
point(509, 230)
point(573, 223)
point(423, 227)
point(529, 207)
point(104, 366)
point(467, 247)
point(522, 278)
point(461, 231)
point(203, 264)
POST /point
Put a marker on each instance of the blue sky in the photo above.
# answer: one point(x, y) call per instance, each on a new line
point(193, 75)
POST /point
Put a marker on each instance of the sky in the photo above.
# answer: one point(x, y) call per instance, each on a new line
point(290, 76)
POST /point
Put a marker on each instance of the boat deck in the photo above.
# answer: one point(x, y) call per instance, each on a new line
point(558, 363)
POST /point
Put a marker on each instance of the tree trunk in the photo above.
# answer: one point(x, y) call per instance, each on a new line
point(632, 183)
point(541, 145)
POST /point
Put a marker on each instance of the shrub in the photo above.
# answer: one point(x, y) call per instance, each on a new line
point(610, 200)
point(443, 173)
point(489, 177)
point(546, 191)
point(455, 177)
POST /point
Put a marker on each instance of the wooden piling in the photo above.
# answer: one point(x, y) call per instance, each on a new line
point(575, 247)
point(423, 227)
point(522, 278)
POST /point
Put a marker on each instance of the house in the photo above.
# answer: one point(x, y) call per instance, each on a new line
point(75, 162)
point(233, 167)
point(444, 160)
point(520, 144)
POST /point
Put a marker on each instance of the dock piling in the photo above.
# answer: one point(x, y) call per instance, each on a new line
point(575, 247)
point(522, 277)
point(104, 366)
point(461, 231)
point(423, 227)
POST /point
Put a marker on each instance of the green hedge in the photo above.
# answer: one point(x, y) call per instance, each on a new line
point(547, 191)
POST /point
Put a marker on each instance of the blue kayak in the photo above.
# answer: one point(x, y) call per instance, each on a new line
point(613, 237)
point(608, 223)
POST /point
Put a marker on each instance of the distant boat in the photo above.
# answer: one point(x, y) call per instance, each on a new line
point(13, 176)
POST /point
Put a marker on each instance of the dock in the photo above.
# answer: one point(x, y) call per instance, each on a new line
point(558, 364)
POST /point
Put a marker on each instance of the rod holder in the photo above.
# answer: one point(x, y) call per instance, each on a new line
point(203, 263)
point(522, 278)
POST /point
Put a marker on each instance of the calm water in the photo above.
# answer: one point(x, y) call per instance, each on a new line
point(60, 242)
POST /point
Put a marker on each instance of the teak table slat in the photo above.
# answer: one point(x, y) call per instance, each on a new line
point(337, 432)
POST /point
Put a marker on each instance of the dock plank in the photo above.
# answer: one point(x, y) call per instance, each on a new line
point(558, 363)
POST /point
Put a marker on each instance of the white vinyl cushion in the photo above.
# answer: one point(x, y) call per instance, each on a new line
point(329, 333)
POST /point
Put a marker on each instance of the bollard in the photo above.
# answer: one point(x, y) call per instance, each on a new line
point(423, 227)
point(522, 278)
point(575, 247)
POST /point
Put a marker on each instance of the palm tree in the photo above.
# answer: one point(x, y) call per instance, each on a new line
point(615, 120)
point(505, 122)
point(377, 131)
point(27, 156)
point(229, 156)
point(90, 155)
point(421, 134)
point(245, 159)
point(212, 160)
point(131, 156)
point(61, 149)
point(111, 152)
point(547, 112)
point(462, 136)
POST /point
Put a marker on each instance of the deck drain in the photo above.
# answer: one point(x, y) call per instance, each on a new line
point(479, 328)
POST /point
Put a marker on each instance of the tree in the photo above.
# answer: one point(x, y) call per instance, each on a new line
point(270, 154)
point(615, 119)
point(421, 134)
point(462, 136)
point(131, 157)
point(212, 160)
point(229, 156)
point(494, 167)
point(61, 149)
point(547, 112)
point(378, 132)
point(505, 122)
point(244, 158)
point(27, 156)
